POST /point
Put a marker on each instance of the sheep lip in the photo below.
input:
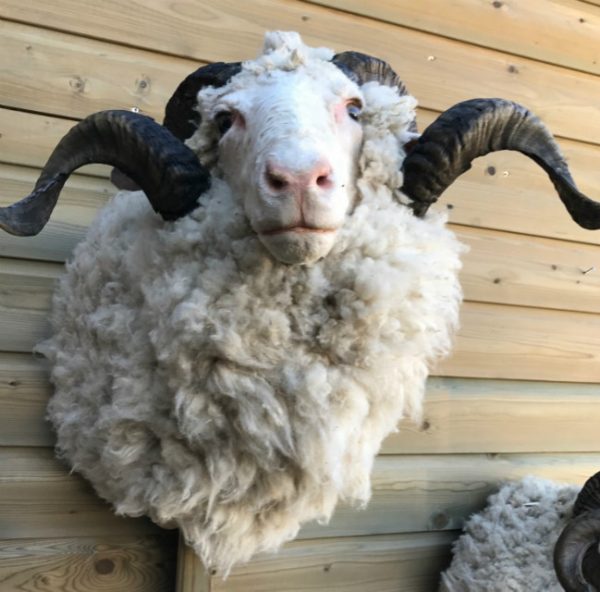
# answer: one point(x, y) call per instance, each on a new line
point(299, 229)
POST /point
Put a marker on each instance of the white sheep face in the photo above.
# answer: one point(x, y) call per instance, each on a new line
point(289, 148)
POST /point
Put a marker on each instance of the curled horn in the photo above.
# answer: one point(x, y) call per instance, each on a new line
point(363, 68)
point(166, 169)
point(145, 155)
point(576, 554)
point(181, 117)
point(476, 128)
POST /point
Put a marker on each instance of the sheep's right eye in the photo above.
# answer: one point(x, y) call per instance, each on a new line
point(224, 121)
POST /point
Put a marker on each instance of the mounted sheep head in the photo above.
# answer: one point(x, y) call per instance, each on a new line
point(234, 371)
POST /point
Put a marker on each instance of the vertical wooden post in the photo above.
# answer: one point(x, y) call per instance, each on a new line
point(191, 574)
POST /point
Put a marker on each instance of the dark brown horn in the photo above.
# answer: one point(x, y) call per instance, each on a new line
point(181, 116)
point(166, 169)
point(363, 68)
point(576, 554)
point(475, 128)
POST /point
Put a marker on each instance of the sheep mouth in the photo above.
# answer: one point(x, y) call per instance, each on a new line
point(298, 229)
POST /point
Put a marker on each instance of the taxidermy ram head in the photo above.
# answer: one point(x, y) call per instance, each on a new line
point(231, 361)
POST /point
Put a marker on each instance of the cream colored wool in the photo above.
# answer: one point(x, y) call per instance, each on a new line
point(203, 383)
point(509, 546)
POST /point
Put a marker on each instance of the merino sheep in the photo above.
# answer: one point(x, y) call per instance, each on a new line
point(232, 365)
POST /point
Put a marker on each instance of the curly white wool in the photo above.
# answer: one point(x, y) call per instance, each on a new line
point(508, 547)
point(203, 383)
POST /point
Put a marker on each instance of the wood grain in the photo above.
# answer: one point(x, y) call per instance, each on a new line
point(512, 342)
point(460, 415)
point(64, 75)
point(439, 71)
point(39, 498)
point(474, 415)
point(24, 394)
point(77, 206)
point(535, 29)
point(192, 576)
point(86, 564)
point(410, 563)
point(526, 271)
point(28, 139)
point(414, 493)
point(411, 493)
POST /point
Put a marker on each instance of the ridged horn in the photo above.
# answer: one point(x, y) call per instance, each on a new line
point(181, 116)
point(166, 169)
point(576, 553)
point(475, 128)
point(362, 68)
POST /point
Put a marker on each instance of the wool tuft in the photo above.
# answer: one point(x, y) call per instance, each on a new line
point(509, 546)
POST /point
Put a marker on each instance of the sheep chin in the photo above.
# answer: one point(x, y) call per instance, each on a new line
point(294, 247)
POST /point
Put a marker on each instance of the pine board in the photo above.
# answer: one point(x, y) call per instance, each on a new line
point(527, 271)
point(24, 394)
point(29, 138)
point(86, 564)
point(77, 206)
point(512, 342)
point(439, 71)
point(535, 29)
point(411, 493)
point(460, 415)
point(474, 415)
point(39, 498)
point(406, 563)
point(67, 76)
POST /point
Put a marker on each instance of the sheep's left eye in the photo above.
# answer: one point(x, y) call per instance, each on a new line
point(224, 121)
point(354, 109)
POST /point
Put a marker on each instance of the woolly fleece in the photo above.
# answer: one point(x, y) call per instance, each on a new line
point(201, 382)
point(509, 546)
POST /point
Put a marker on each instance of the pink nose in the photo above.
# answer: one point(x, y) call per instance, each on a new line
point(282, 179)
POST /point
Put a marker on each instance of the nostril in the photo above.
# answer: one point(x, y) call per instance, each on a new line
point(324, 181)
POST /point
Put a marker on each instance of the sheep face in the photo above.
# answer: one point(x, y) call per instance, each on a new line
point(288, 146)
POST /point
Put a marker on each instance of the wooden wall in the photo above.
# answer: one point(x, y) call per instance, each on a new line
point(519, 396)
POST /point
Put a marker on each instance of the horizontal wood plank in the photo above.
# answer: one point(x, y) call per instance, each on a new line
point(526, 271)
point(25, 301)
point(512, 342)
point(28, 139)
point(39, 498)
point(411, 563)
point(438, 71)
point(460, 415)
point(415, 493)
point(494, 341)
point(24, 394)
point(536, 29)
point(86, 564)
point(475, 415)
point(65, 75)
point(411, 493)
point(78, 204)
